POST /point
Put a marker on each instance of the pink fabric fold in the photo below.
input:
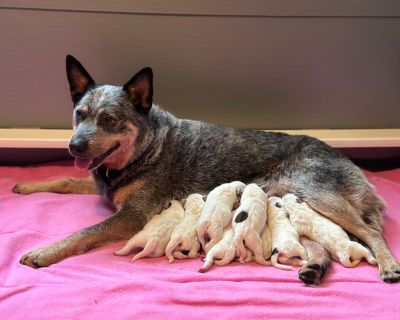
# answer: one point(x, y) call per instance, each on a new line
point(99, 285)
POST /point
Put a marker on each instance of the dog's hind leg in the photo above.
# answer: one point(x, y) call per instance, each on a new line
point(350, 215)
point(63, 185)
point(337, 189)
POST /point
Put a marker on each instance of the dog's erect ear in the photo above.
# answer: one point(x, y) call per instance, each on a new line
point(79, 79)
point(140, 90)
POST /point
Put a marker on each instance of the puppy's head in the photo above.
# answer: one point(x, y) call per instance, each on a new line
point(109, 121)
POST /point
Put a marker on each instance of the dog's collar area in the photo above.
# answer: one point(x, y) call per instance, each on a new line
point(108, 176)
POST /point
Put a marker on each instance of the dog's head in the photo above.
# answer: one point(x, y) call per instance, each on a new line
point(109, 122)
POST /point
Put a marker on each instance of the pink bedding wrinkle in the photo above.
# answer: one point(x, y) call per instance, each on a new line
point(99, 285)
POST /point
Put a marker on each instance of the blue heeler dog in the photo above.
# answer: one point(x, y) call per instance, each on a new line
point(140, 156)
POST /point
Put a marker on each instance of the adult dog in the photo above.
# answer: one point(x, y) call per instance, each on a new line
point(140, 156)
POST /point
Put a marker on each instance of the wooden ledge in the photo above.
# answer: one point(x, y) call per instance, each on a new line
point(338, 138)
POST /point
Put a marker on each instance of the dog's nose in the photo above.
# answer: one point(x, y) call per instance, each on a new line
point(78, 146)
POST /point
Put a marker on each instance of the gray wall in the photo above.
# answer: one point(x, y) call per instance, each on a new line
point(256, 64)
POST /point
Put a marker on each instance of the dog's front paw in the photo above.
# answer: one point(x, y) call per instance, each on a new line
point(42, 257)
point(23, 188)
point(390, 272)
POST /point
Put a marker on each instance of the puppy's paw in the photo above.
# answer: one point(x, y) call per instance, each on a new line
point(42, 257)
point(390, 272)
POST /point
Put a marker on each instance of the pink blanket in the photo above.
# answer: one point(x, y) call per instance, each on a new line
point(99, 285)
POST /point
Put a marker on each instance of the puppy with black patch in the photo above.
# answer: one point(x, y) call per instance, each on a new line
point(248, 222)
point(140, 156)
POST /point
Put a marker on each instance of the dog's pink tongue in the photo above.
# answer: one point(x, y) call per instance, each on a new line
point(82, 164)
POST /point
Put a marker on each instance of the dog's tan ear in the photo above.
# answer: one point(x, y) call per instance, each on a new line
point(140, 90)
point(78, 78)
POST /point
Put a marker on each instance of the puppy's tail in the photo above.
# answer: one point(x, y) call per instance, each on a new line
point(208, 262)
point(276, 264)
point(148, 249)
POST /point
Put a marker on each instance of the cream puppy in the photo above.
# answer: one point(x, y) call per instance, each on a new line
point(217, 213)
point(333, 238)
point(286, 247)
point(248, 222)
point(184, 237)
point(223, 252)
point(156, 233)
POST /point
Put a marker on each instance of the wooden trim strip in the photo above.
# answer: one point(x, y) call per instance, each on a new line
point(338, 138)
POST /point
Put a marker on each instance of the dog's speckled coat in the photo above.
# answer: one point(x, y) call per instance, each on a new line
point(141, 155)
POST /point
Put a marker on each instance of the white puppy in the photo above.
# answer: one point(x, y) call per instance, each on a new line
point(248, 222)
point(217, 213)
point(223, 252)
point(322, 230)
point(286, 247)
point(184, 237)
point(155, 234)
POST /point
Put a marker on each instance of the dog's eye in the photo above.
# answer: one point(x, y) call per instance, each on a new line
point(110, 120)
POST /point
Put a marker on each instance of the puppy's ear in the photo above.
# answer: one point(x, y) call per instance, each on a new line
point(140, 90)
point(78, 78)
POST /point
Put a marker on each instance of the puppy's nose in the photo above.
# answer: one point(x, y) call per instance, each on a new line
point(78, 146)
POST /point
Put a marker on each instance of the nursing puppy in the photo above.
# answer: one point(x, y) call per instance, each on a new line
point(248, 222)
point(217, 213)
point(309, 223)
point(286, 247)
point(223, 252)
point(140, 156)
point(184, 242)
point(155, 234)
